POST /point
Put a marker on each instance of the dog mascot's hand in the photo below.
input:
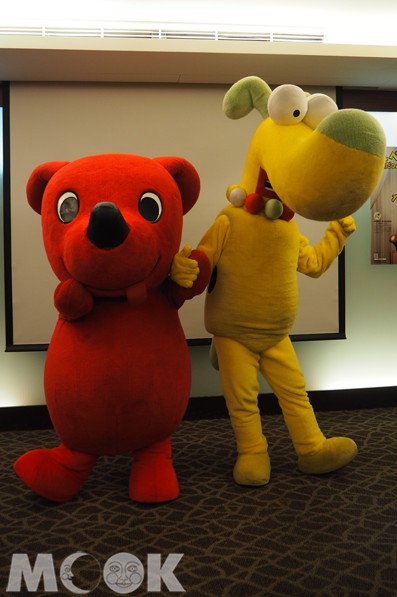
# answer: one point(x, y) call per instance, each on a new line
point(184, 270)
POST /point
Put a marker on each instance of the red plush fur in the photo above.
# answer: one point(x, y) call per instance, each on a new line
point(117, 374)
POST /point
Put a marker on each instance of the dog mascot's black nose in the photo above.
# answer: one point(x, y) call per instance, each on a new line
point(107, 228)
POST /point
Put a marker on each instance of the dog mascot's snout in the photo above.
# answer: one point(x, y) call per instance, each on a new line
point(107, 228)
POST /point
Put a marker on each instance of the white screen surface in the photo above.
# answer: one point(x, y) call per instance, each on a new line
point(60, 121)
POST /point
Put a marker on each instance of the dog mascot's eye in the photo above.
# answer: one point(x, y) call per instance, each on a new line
point(287, 105)
point(150, 207)
point(319, 106)
point(67, 207)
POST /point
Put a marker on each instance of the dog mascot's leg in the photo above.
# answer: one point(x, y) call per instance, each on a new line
point(279, 365)
point(316, 454)
point(241, 394)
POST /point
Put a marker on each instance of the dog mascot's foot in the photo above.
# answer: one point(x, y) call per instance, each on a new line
point(335, 453)
point(56, 474)
point(153, 478)
point(252, 469)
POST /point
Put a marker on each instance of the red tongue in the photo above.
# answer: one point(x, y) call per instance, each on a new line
point(256, 201)
point(135, 294)
point(265, 188)
point(287, 214)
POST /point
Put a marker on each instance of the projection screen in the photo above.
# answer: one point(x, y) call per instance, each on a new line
point(64, 121)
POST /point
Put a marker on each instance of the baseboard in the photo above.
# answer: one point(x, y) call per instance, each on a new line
point(325, 400)
point(24, 417)
point(210, 407)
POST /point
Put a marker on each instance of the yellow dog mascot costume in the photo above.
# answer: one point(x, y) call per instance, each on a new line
point(305, 157)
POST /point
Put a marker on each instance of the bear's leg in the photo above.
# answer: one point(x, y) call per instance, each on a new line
point(238, 368)
point(153, 478)
point(56, 474)
point(316, 453)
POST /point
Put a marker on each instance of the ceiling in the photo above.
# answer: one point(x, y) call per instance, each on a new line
point(181, 61)
point(356, 47)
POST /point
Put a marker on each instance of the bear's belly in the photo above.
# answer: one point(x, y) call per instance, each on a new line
point(119, 379)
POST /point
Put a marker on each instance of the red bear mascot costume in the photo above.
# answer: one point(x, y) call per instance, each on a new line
point(117, 373)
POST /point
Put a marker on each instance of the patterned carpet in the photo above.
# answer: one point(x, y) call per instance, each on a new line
point(300, 536)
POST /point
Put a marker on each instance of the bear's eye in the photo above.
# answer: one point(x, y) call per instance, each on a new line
point(67, 207)
point(150, 207)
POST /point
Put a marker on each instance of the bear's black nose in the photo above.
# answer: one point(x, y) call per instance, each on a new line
point(107, 228)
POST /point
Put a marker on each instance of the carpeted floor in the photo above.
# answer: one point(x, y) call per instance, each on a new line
point(300, 536)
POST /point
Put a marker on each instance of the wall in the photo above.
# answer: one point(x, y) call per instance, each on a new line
point(365, 359)
point(20, 373)
point(43, 113)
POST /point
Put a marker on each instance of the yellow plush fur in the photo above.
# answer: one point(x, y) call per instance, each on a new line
point(323, 164)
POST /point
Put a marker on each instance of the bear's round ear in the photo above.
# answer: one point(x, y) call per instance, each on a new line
point(186, 177)
point(38, 181)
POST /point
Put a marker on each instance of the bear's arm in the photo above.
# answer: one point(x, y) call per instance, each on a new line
point(72, 300)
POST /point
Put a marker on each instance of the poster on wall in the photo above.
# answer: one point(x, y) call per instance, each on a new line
point(384, 214)
point(384, 199)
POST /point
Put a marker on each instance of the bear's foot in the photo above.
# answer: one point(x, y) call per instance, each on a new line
point(335, 453)
point(153, 478)
point(56, 474)
point(252, 469)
